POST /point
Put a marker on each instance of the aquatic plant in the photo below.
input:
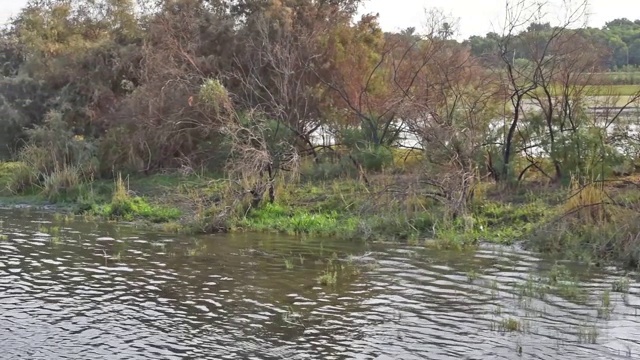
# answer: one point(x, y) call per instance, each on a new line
point(606, 299)
point(288, 264)
point(509, 324)
point(587, 334)
point(55, 240)
point(621, 285)
point(532, 288)
point(328, 278)
point(472, 275)
point(571, 290)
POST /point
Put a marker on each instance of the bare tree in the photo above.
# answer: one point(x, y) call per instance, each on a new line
point(451, 120)
point(537, 42)
point(372, 78)
point(275, 76)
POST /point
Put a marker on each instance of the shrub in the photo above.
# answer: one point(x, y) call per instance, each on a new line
point(18, 177)
point(62, 184)
point(374, 158)
point(591, 226)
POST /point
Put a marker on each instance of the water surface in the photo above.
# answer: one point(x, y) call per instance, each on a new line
point(81, 290)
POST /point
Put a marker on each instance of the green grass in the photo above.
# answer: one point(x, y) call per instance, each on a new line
point(136, 208)
point(617, 77)
point(511, 324)
point(274, 217)
point(621, 90)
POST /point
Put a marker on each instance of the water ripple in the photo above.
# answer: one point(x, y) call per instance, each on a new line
point(95, 291)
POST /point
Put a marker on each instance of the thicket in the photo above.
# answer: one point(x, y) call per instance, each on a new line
point(268, 94)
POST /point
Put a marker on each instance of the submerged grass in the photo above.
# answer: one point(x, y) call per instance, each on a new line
point(510, 324)
point(558, 281)
point(621, 285)
point(587, 334)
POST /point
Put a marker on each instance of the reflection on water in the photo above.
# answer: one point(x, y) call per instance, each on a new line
point(98, 291)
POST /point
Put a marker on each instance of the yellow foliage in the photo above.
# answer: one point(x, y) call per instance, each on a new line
point(587, 202)
point(121, 191)
point(407, 159)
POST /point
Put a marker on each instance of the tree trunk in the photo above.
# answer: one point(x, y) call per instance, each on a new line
point(509, 139)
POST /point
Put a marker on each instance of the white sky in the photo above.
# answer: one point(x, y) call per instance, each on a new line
point(476, 17)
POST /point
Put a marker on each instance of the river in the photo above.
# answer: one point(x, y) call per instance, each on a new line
point(73, 289)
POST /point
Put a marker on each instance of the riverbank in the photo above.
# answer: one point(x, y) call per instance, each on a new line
point(592, 223)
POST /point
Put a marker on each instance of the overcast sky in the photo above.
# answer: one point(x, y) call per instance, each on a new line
point(475, 17)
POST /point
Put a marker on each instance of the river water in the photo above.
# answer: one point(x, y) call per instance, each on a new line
point(72, 289)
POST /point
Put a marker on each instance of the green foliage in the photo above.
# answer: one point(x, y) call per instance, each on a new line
point(374, 158)
point(496, 215)
point(587, 153)
point(370, 146)
point(17, 177)
point(215, 95)
point(620, 37)
point(53, 160)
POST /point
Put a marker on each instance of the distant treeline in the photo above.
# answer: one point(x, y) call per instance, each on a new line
point(620, 38)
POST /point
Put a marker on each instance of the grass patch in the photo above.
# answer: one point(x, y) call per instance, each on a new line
point(7, 171)
point(136, 208)
point(123, 206)
point(506, 222)
point(275, 217)
point(62, 184)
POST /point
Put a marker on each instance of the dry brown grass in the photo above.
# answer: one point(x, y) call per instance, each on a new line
point(588, 203)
